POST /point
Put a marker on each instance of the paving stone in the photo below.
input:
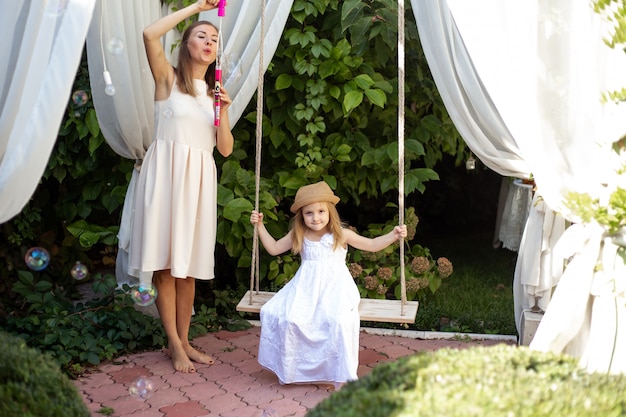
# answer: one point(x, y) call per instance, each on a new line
point(127, 405)
point(185, 409)
point(150, 412)
point(394, 351)
point(369, 356)
point(243, 412)
point(263, 395)
point(287, 407)
point(218, 372)
point(181, 379)
point(166, 397)
point(372, 341)
point(224, 403)
point(234, 355)
point(236, 385)
point(311, 398)
point(128, 375)
point(207, 389)
point(250, 366)
point(107, 393)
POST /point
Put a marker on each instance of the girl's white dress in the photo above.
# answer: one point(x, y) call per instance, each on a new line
point(310, 328)
point(175, 207)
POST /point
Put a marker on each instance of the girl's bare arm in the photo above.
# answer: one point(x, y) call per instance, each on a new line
point(374, 244)
point(272, 246)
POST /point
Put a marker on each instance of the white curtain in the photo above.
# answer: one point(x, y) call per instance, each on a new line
point(479, 122)
point(41, 44)
point(126, 118)
point(467, 101)
point(544, 66)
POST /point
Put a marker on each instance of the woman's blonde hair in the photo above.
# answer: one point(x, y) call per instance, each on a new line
point(184, 76)
point(335, 226)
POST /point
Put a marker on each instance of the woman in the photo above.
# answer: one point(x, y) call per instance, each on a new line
point(175, 218)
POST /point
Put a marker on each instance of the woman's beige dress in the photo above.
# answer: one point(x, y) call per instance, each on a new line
point(174, 217)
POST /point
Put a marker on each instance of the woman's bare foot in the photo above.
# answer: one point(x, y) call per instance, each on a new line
point(180, 361)
point(197, 356)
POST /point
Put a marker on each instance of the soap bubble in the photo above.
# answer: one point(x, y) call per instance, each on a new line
point(270, 412)
point(168, 113)
point(80, 98)
point(58, 9)
point(232, 68)
point(143, 295)
point(79, 271)
point(142, 388)
point(37, 258)
point(115, 46)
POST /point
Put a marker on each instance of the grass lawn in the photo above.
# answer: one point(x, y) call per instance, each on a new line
point(478, 296)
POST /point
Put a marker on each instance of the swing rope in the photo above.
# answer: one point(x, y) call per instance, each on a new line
point(401, 145)
point(254, 271)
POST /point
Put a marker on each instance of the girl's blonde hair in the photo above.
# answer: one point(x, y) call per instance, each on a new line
point(335, 226)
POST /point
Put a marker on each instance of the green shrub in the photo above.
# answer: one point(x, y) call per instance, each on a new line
point(501, 380)
point(377, 274)
point(31, 384)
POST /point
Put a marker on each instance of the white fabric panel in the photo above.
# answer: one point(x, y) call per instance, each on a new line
point(605, 346)
point(115, 37)
point(466, 99)
point(477, 119)
point(42, 43)
point(537, 270)
point(582, 243)
point(126, 119)
point(545, 66)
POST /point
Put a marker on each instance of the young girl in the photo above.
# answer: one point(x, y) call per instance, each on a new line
point(310, 328)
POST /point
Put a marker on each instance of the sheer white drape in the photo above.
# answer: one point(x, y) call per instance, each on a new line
point(41, 44)
point(127, 117)
point(466, 99)
point(544, 66)
point(480, 124)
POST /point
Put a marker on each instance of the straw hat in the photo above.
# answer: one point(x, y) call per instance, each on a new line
point(313, 193)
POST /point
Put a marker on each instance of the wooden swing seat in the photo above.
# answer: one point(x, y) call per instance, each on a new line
point(370, 309)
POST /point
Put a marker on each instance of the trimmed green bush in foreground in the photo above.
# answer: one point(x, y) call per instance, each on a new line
point(32, 385)
point(501, 380)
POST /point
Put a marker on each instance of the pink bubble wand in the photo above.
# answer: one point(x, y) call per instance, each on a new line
point(221, 12)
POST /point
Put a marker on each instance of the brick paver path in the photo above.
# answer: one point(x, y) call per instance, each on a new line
point(235, 385)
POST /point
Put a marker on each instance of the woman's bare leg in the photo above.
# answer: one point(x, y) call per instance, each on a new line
point(167, 303)
point(185, 296)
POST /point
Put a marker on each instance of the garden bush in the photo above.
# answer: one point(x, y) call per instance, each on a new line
point(501, 380)
point(31, 384)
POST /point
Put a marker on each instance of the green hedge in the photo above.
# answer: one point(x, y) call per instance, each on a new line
point(32, 385)
point(502, 380)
